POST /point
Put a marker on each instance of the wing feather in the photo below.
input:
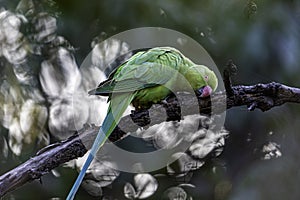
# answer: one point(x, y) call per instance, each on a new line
point(144, 69)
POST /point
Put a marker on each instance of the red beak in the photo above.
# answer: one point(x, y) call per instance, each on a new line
point(205, 91)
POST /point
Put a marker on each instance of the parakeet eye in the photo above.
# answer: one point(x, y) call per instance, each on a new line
point(206, 77)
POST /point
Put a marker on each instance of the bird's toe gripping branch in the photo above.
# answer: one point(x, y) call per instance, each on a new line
point(169, 105)
point(140, 117)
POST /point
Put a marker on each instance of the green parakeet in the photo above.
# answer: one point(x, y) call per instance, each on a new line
point(146, 78)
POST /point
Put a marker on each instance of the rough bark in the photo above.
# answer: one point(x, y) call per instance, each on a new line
point(259, 96)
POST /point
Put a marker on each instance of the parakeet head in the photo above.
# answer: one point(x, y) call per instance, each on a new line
point(202, 79)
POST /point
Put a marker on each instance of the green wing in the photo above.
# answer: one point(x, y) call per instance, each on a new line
point(144, 69)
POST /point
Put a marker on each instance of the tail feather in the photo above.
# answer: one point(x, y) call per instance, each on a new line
point(117, 107)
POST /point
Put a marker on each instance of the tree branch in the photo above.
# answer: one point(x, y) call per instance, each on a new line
point(259, 96)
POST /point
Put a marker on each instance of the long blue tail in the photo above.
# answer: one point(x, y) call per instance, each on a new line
point(99, 141)
point(115, 111)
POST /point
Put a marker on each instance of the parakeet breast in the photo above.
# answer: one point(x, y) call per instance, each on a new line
point(148, 96)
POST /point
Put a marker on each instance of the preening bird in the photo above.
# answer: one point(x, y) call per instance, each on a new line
point(146, 78)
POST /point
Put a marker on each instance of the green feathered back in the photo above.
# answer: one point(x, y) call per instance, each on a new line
point(152, 73)
point(143, 70)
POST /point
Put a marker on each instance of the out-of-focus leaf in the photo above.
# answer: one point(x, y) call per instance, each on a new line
point(105, 53)
point(92, 187)
point(212, 140)
point(183, 164)
point(3, 148)
point(167, 137)
point(271, 150)
point(67, 116)
point(129, 191)
point(32, 119)
point(174, 193)
point(12, 44)
point(45, 27)
point(60, 75)
point(103, 172)
point(144, 186)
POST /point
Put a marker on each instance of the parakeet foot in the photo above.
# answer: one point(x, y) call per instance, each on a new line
point(172, 107)
point(140, 117)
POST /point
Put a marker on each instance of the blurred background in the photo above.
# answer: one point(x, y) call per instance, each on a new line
point(43, 43)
